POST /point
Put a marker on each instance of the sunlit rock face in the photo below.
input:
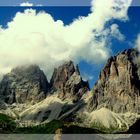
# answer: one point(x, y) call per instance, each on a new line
point(118, 86)
point(25, 84)
point(66, 79)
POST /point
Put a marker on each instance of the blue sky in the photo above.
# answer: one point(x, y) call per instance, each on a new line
point(47, 2)
point(130, 29)
point(55, 2)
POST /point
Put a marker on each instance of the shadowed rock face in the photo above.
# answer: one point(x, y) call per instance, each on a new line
point(135, 128)
point(118, 86)
point(67, 80)
point(24, 84)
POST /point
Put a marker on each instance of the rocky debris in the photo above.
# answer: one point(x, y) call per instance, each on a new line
point(25, 84)
point(118, 85)
point(51, 108)
point(106, 121)
point(67, 80)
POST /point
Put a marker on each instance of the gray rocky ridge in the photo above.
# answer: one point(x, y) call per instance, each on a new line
point(25, 84)
point(118, 86)
point(26, 93)
point(112, 104)
point(67, 80)
point(28, 84)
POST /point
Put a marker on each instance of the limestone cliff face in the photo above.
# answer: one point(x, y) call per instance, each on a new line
point(25, 84)
point(118, 86)
point(66, 79)
point(66, 97)
point(28, 84)
point(26, 92)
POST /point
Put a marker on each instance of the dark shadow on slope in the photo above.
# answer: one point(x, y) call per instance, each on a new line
point(135, 128)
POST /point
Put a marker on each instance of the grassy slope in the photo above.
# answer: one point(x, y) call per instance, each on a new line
point(8, 125)
point(48, 128)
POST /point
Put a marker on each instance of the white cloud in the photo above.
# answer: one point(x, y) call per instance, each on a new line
point(116, 32)
point(36, 38)
point(137, 43)
point(39, 5)
point(87, 77)
point(26, 4)
point(137, 46)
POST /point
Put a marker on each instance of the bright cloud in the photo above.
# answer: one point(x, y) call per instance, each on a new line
point(137, 44)
point(87, 77)
point(26, 4)
point(116, 33)
point(33, 37)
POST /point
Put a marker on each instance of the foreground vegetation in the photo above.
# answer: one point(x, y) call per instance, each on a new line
point(9, 126)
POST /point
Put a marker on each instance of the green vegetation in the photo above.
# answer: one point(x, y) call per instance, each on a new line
point(51, 127)
point(7, 124)
point(48, 128)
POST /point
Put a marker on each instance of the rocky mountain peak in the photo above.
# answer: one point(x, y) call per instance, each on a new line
point(26, 69)
point(62, 74)
point(28, 84)
point(118, 85)
point(113, 104)
point(67, 80)
point(24, 84)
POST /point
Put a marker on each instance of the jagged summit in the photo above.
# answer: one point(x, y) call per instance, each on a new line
point(118, 85)
point(65, 71)
point(67, 80)
point(24, 84)
point(29, 83)
point(26, 69)
point(25, 91)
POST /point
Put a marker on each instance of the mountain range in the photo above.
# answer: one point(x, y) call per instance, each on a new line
point(111, 106)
